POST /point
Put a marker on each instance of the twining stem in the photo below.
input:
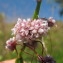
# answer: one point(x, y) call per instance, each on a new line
point(43, 46)
point(36, 12)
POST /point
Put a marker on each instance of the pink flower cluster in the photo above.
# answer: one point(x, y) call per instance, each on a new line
point(11, 44)
point(30, 29)
point(26, 30)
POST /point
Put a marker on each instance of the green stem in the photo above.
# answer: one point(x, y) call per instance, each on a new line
point(16, 51)
point(20, 59)
point(36, 13)
point(21, 52)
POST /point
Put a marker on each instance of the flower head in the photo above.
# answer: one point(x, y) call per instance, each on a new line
point(31, 29)
point(11, 44)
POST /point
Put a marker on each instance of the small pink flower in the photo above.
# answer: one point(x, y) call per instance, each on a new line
point(36, 26)
point(23, 24)
point(11, 44)
point(40, 31)
point(51, 22)
point(34, 31)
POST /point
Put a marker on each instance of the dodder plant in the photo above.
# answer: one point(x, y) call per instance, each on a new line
point(28, 32)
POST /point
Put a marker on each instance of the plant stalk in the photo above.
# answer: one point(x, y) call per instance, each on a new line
point(36, 12)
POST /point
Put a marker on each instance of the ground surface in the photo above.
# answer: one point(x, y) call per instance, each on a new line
point(8, 61)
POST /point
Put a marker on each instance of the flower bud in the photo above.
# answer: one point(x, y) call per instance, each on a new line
point(51, 22)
